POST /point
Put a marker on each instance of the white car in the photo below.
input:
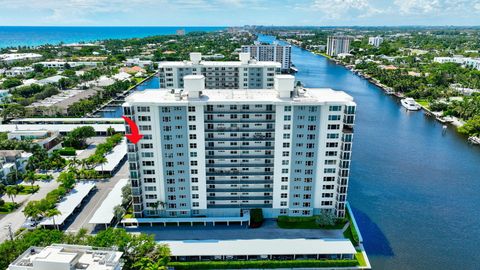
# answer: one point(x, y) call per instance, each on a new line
point(30, 224)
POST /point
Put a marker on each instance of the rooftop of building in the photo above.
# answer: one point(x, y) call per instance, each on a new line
point(80, 257)
point(260, 247)
point(196, 59)
point(283, 92)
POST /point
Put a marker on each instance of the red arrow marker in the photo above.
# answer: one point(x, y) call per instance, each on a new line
point(135, 136)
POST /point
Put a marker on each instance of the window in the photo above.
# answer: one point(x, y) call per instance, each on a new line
point(288, 108)
point(143, 109)
point(335, 108)
point(334, 117)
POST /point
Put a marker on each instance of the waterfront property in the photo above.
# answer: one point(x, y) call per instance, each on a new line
point(246, 73)
point(270, 52)
point(67, 257)
point(219, 152)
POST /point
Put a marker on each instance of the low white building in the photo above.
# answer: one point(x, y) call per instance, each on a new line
point(47, 139)
point(459, 59)
point(130, 62)
point(11, 160)
point(18, 71)
point(67, 257)
point(15, 57)
point(61, 64)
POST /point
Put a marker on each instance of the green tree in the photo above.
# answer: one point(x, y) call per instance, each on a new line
point(126, 194)
point(29, 177)
point(11, 192)
point(118, 212)
point(77, 137)
point(326, 218)
point(53, 213)
point(471, 127)
point(32, 210)
point(11, 82)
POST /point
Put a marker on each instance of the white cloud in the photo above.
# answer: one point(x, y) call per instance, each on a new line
point(416, 7)
point(336, 9)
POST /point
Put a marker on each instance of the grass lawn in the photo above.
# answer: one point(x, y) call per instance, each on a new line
point(360, 259)
point(139, 80)
point(285, 222)
point(8, 207)
point(27, 189)
point(423, 102)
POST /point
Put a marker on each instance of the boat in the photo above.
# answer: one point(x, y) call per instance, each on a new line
point(410, 104)
point(474, 140)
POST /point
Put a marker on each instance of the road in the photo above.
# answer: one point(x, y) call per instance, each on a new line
point(94, 201)
point(16, 218)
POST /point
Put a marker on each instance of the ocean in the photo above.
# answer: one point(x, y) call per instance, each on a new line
point(13, 36)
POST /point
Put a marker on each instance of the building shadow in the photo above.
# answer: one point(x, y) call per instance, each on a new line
point(374, 241)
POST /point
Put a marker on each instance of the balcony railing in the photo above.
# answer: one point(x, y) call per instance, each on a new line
point(217, 165)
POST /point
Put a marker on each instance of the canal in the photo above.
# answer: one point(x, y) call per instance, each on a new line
point(415, 191)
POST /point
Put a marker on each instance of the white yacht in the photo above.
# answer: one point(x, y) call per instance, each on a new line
point(410, 104)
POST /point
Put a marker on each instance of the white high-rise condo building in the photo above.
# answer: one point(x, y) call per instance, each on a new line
point(246, 73)
point(271, 52)
point(338, 44)
point(217, 152)
point(375, 41)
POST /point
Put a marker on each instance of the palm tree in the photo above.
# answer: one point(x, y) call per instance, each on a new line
point(30, 178)
point(52, 213)
point(158, 204)
point(100, 160)
point(32, 210)
point(11, 192)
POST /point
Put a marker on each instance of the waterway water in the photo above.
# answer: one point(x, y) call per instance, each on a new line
point(116, 111)
point(415, 191)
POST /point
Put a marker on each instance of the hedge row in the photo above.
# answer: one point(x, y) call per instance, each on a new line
point(67, 151)
point(261, 264)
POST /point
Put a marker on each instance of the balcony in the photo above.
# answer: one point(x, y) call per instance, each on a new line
point(238, 156)
point(217, 165)
point(237, 112)
point(237, 139)
point(243, 197)
point(240, 121)
point(239, 148)
point(239, 130)
point(244, 206)
point(240, 189)
point(234, 173)
point(239, 181)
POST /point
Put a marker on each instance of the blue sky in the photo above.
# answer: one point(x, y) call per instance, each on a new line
point(239, 12)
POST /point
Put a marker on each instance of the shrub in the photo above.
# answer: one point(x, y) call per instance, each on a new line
point(67, 151)
point(262, 264)
point(256, 217)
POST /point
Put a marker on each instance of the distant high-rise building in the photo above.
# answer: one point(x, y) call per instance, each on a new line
point(375, 41)
point(216, 153)
point(246, 73)
point(271, 52)
point(338, 44)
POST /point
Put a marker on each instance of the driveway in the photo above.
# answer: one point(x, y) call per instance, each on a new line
point(269, 230)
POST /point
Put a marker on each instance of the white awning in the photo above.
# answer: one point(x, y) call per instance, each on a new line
point(104, 213)
point(114, 157)
point(68, 204)
point(260, 247)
